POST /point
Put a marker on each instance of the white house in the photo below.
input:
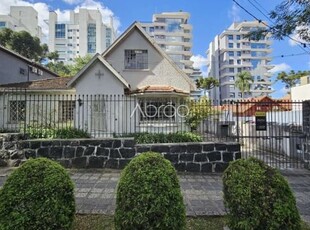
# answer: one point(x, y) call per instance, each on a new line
point(133, 86)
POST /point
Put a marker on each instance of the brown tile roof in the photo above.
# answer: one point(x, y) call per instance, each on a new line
point(45, 84)
point(248, 107)
point(158, 89)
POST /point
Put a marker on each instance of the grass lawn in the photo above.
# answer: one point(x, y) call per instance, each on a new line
point(100, 222)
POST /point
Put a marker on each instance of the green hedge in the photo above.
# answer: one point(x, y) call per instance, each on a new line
point(38, 195)
point(149, 195)
point(147, 138)
point(258, 197)
point(50, 133)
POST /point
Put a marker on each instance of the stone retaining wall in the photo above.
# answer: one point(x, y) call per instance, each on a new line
point(116, 153)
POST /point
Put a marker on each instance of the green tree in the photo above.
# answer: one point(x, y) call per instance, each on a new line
point(23, 43)
point(79, 63)
point(207, 83)
point(60, 68)
point(290, 16)
point(5, 36)
point(243, 82)
point(292, 78)
point(198, 110)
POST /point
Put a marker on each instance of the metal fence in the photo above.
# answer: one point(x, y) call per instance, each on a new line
point(275, 131)
point(109, 115)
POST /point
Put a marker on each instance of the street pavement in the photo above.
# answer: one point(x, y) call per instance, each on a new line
point(95, 191)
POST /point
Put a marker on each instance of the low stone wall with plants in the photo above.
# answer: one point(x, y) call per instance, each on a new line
point(116, 153)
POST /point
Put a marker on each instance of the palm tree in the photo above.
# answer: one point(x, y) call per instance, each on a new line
point(243, 82)
point(207, 83)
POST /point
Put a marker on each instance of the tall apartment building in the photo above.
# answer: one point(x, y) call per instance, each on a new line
point(231, 52)
point(22, 18)
point(83, 34)
point(173, 34)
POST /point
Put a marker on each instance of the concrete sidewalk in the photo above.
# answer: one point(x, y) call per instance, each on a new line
point(95, 191)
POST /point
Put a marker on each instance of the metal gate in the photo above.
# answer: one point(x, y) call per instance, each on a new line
point(273, 131)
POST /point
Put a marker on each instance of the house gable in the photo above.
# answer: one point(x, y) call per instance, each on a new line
point(160, 69)
point(98, 78)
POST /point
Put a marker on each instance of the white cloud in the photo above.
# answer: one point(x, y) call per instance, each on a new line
point(72, 2)
point(295, 38)
point(234, 13)
point(200, 62)
point(63, 15)
point(280, 67)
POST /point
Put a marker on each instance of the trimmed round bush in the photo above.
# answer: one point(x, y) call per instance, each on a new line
point(149, 195)
point(38, 195)
point(257, 196)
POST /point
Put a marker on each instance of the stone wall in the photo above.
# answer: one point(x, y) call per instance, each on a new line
point(116, 153)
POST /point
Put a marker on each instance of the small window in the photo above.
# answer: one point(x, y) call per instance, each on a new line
point(238, 37)
point(231, 62)
point(239, 62)
point(230, 53)
point(66, 110)
point(17, 111)
point(231, 78)
point(232, 95)
point(231, 70)
point(230, 37)
point(22, 71)
point(136, 59)
point(154, 111)
point(238, 45)
point(238, 53)
point(230, 45)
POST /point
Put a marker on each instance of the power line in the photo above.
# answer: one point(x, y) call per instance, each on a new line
point(293, 39)
point(290, 55)
point(260, 11)
point(260, 21)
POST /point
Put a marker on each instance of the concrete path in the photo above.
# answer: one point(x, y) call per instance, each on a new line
point(95, 191)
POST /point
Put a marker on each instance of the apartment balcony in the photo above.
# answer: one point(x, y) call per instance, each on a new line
point(182, 52)
point(187, 62)
point(187, 26)
point(188, 71)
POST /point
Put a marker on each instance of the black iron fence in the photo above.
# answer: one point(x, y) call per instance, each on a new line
point(110, 115)
point(275, 131)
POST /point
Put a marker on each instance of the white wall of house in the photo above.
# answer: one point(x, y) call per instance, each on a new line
point(159, 72)
point(90, 83)
point(300, 93)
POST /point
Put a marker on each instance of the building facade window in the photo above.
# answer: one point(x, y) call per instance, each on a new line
point(230, 45)
point(238, 37)
point(60, 30)
point(238, 53)
point(239, 62)
point(17, 111)
point(231, 62)
point(2, 24)
point(91, 38)
point(230, 53)
point(136, 59)
point(66, 110)
point(230, 37)
point(173, 24)
point(157, 110)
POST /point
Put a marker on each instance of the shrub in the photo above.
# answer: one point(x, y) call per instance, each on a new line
point(38, 195)
point(258, 197)
point(67, 133)
point(149, 195)
point(49, 133)
point(146, 138)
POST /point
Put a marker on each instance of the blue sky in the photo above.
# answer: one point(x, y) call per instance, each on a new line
point(208, 18)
